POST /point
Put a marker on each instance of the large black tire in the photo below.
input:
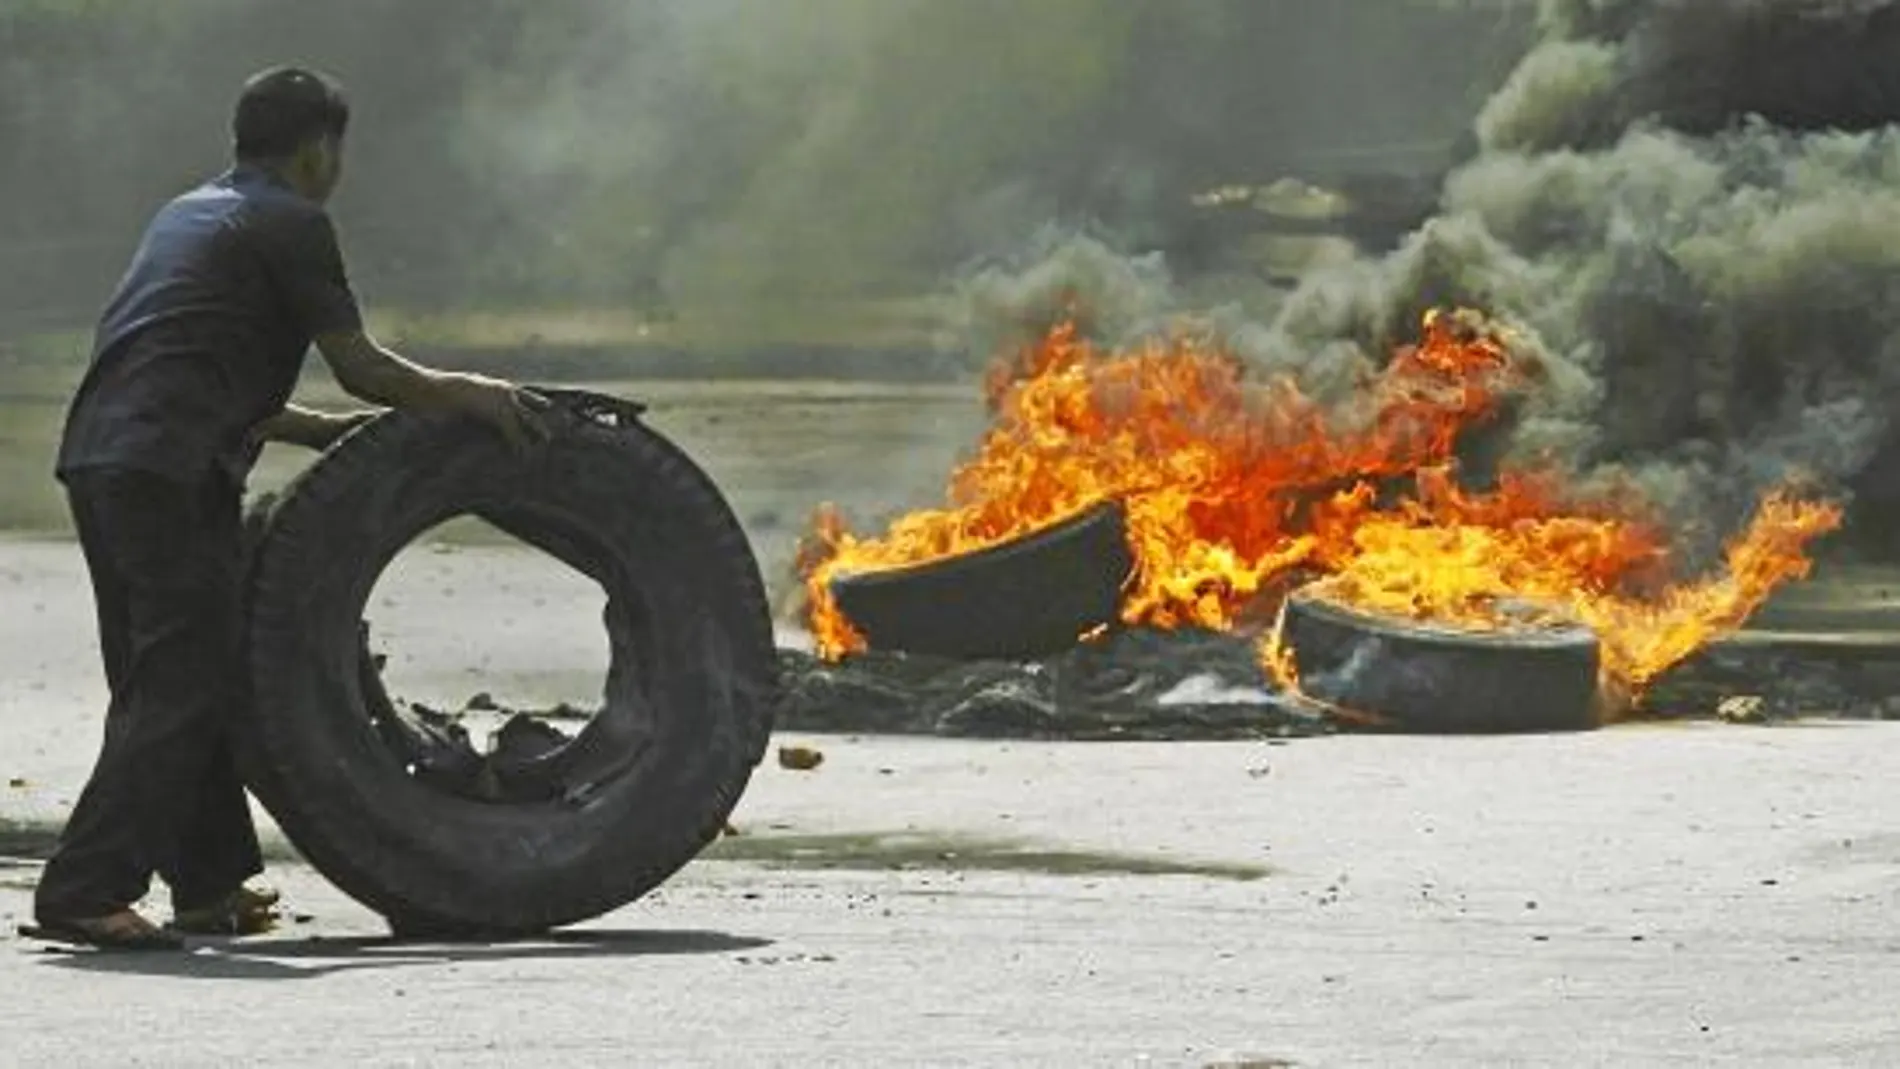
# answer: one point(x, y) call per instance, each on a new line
point(1432, 680)
point(603, 819)
point(1030, 597)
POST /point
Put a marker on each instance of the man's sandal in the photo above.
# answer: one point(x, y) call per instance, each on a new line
point(124, 930)
point(245, 911)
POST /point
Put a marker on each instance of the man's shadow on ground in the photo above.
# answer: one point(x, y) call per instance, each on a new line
point(281, 958)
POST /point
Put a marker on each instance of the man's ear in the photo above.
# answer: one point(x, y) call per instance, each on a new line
point(303, 164)
point(314, 165)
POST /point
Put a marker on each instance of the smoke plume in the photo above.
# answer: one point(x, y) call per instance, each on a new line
point(1690, 211)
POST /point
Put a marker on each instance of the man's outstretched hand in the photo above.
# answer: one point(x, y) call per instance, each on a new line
point(520, 415)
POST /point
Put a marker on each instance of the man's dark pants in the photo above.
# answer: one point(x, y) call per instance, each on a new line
point(165, 796)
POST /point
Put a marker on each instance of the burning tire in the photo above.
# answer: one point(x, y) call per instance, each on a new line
point(1029, 597)
point(1427, 679)
point(574, 827)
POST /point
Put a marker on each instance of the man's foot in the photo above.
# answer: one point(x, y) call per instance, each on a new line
point(123, 930)
point(245, 911)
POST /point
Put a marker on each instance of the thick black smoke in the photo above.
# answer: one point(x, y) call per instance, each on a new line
point(1696, 66)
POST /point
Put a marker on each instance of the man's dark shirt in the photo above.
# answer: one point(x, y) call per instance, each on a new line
point(207, 333)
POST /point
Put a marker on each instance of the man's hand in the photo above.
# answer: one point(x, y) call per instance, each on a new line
point(515, 412)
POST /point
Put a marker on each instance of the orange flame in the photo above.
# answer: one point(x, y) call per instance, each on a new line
point(1233, 488)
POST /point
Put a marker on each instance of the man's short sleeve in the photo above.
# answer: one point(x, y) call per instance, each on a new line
point(307, 266)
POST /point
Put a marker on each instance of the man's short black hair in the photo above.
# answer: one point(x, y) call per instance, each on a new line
point(283, 108)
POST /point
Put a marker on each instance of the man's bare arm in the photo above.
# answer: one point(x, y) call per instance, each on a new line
point(308, 427)
point(372, 373)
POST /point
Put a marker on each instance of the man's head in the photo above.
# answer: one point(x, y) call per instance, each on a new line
point(292, 121)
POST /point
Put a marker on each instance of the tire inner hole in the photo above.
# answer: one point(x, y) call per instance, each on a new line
point(491, 670)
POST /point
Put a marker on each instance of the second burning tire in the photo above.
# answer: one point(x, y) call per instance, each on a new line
point(1429, 679)
point(1029, 597)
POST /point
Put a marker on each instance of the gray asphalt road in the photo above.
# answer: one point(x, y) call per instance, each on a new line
point(1647, 895)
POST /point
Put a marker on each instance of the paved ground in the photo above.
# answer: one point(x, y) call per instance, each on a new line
point(1645, 895)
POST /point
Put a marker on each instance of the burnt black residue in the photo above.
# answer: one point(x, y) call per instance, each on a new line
point(1146, 685)
point(1133, 685)
point(1157, 686)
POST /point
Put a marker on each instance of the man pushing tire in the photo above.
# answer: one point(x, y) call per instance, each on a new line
point(193, 364)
